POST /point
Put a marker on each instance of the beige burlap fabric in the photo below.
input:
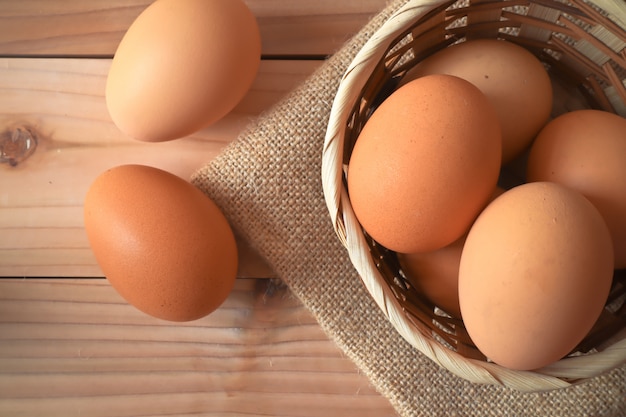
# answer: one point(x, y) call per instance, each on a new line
point(268, 183)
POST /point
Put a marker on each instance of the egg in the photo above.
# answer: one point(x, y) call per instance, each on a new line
point(162, 244)
point(181, 66)
point(535, 274)
point(513, 79)
point(586, 150)
point(425, 163)
point(436, 274)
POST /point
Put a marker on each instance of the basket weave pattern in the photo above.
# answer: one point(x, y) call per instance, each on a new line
point(583, 45)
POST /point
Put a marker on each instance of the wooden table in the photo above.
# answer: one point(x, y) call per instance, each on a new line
point(69, 345)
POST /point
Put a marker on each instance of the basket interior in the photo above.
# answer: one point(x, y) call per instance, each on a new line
point(584, 51)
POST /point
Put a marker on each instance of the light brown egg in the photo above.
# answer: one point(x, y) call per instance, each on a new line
point(535, 274)
point(425, 164)
point(586, 150)
point(182, 65)
point(162, 244)
point(511, 77)
point(436, 273)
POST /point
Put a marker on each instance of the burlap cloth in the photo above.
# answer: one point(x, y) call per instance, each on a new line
point(268, 183)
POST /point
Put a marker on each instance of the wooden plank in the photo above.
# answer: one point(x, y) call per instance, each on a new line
point(74, 347)
point(95, 27)
point(61, 103)
point(71, 347)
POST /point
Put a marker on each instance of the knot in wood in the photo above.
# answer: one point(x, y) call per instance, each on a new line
point(16, 145)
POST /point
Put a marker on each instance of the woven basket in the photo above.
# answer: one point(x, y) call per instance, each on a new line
point(582, 43)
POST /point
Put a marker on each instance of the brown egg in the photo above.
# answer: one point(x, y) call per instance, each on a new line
point(535, 274)
point(512, 78)
point(436, 273)
point(161, 243)
point(586, 150)
point(182, 65)
point(425, 164)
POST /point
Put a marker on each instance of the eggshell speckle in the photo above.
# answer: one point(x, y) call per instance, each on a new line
point(535, 274)
point(425, 164)
point(182, 65)
point(162, 244)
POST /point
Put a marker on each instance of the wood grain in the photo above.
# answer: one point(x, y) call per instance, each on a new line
point(75, 348)
point(72, 347)
point(61, 103)
point(95, 27)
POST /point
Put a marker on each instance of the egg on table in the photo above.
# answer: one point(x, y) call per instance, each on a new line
point(181, 66)
point(161, 243)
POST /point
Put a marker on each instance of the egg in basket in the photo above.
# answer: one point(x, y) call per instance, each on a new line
point(475, 170)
